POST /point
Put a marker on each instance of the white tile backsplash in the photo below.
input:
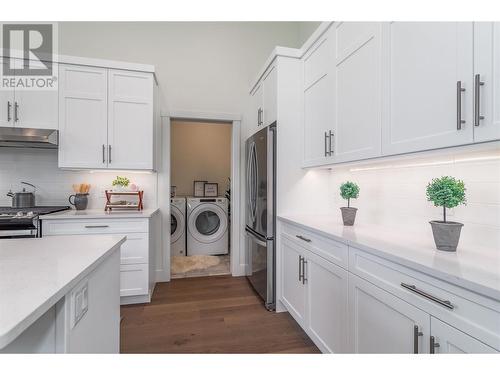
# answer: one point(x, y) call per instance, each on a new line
point(393, 193)
point(54, 185)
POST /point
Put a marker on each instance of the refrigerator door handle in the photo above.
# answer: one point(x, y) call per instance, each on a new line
point(258, 240)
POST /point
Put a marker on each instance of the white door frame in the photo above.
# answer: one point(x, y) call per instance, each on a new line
point(236, 253)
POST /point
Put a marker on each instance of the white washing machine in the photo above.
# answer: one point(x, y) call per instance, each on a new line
point(207, 226)
point(177, 226)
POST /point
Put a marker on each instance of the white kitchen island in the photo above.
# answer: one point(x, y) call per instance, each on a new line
point(60, 294)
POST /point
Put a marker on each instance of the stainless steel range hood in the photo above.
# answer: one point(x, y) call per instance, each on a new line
point(28, 138)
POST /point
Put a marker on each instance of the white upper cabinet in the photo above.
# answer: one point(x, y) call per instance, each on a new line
point(6, 103)
point(270, 100)
point(256, 108)
point(83, 110)
point(428, 85)
point(130, 120)
point(29, 108)
point(383, 323)
point(264, 101)
point(107, 118)
point(357, 91)
point(447, 339)
point(486, 81)
point(319, 101)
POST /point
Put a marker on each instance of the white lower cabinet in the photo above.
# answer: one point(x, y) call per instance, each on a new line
point(294, 290)
point(315, 294)
point(136, 274)
point(383, 323)
point(326, 304)
point(447, 339)
point(369, 304)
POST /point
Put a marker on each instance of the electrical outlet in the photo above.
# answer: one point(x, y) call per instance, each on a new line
point(79, 303)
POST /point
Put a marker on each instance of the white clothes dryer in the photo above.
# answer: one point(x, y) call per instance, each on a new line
point(207, 226)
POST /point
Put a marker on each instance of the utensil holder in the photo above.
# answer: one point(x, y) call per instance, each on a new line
point(80, 201)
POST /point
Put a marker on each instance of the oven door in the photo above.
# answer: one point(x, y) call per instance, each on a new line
point(18, 233)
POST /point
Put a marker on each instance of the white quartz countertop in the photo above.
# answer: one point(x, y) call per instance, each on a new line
point(100, 214)
point(473, 268)
point(35, 273)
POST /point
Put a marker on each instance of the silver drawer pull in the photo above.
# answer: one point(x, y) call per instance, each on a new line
point(302, 238)
point(96, 226)
point(442, 302)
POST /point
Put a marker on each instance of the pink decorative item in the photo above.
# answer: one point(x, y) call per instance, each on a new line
point(134, 187)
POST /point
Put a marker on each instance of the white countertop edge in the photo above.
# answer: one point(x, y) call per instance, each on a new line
point(433, 272)
point(8, 337)
point(100, 214)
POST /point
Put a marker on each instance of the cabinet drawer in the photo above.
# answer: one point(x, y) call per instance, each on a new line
point(136, 249)
point(94, 226)
point(133, 280)
point(469, 312)
point(334, 251)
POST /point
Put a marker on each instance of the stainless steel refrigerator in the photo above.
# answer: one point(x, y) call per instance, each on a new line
point(261, 213)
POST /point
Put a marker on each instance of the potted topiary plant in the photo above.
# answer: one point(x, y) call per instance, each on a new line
point(446, 192)
point(349, 190)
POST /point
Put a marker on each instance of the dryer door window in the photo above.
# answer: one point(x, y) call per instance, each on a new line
point(207, 223)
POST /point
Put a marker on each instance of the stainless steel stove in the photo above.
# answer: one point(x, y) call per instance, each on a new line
point(23, 222)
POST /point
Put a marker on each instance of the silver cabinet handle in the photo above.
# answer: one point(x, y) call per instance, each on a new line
point(260, 121)
point(304, 262)
point(440, 301)
point(103, 154)
point(16, 112)
point(303, 238)
point(300, 267)
point(330, 152)
point(416, 335)
point(433, 345)
point(261, 116)
point(326, 140)
point(9, 106)
point(109, 154)
point(477, 99)
point(460, 90)
point(96, 226)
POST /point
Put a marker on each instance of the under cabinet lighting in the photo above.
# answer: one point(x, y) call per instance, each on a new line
point(426, 164)
point(119, 171)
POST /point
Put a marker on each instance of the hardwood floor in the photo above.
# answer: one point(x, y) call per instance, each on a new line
point(217, 314)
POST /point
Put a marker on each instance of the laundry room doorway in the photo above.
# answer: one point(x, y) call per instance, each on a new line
point(203, 236)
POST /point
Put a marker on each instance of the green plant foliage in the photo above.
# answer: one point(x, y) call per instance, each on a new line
point(349, 190)
point(446, 192)
point(121, 181)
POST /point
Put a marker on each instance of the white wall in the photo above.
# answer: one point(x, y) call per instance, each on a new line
point(306, 29)
point(392, 193)
point(200, 151)
point(54, 185)
point(202, 66)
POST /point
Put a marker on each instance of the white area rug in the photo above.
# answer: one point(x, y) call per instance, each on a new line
point(200, 265)
point(183, 264)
